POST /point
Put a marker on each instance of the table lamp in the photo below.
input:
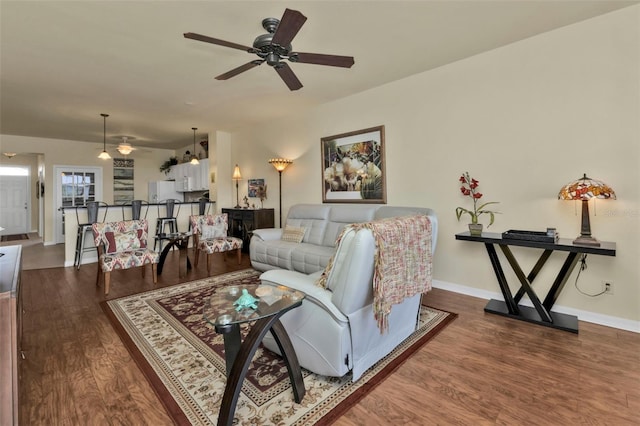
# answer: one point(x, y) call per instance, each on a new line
point(583, 190)
point(237, 176)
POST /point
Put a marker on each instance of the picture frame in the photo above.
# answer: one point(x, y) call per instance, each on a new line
point(353, 167)
point(253, 185)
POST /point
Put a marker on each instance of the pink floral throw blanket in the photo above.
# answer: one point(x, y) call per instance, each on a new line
point(402, 262)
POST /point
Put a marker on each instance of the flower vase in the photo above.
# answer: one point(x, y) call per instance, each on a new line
point(475, 229)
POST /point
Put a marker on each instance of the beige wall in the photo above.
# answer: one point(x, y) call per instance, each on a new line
point(72, 153)
point(524, 120)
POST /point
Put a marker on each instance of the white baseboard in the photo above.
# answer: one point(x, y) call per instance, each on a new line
point(49, 243)
point(606, 320)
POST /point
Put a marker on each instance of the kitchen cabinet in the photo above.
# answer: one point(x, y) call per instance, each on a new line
point(191, 177)
point(10, 333)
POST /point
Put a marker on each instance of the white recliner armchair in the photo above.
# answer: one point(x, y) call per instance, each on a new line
point(334, 331)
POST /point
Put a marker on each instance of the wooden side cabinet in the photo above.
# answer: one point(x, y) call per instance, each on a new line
point(10, 332)
point(242, 222)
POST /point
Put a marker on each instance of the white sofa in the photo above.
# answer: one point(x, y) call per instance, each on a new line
point(334, 331)
point(323, 224)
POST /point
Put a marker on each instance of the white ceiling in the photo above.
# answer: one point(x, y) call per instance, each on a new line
point(63, 63)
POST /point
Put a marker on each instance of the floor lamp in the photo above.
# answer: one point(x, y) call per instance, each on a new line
point(237, 176)
point(280, 164)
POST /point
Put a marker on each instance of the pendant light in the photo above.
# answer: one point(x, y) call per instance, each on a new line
point(194, 157)
point(104, 155)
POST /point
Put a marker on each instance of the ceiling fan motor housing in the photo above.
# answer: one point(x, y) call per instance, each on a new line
point(263, 46)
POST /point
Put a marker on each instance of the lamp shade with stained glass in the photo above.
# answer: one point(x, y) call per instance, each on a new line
point(583, 190)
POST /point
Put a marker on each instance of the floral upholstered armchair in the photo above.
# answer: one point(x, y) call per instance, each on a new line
point(210, 236)
point(123, 245)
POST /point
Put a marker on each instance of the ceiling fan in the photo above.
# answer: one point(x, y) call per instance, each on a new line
point(275, 46)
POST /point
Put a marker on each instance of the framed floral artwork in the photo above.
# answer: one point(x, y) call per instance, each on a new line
point(353, 167)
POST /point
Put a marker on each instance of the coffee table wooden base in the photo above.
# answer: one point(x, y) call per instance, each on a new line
point(244, 356)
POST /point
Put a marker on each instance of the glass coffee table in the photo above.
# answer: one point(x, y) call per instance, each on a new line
point(271, 303)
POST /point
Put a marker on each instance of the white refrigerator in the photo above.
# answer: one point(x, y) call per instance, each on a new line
point(163, 190)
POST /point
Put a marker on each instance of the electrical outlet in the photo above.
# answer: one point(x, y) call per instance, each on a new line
point(607, 287)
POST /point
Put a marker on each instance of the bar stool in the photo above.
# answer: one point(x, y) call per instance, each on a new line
point(84, 228)
point(203, 207)
point(169, 219)
point(136, 209)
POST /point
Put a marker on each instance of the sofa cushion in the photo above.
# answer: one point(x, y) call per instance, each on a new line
point(313, 217)
point(342, 216)
point(276, 253)
point(309, 258)
point(293, 234)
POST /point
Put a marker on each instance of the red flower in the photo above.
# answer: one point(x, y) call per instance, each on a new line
point(469, 188)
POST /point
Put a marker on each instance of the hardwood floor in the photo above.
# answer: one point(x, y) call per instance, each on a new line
point(481, 369)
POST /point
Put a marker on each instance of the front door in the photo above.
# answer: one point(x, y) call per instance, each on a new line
point(14, 200)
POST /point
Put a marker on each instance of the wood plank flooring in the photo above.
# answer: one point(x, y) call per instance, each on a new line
point(481, 369)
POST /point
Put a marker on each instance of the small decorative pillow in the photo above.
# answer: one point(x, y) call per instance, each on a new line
point(293, 234)
point(213, 231)
point(123, 241)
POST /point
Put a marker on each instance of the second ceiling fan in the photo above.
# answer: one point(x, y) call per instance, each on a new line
point(275, 46)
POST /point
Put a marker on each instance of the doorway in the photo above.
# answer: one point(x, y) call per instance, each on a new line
point(15, 210)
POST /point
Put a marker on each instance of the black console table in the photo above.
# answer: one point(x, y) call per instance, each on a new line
point(541, 312)
point(242, 222)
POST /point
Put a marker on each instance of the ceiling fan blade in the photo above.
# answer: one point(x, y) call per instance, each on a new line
point(219, 42)
point(290, 24)
point(320, 59)
point(287, 75)
point(240, 69)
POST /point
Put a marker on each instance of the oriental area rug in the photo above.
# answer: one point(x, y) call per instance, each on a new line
point(183, 358)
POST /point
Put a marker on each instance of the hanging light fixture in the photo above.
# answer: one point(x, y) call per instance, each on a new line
point(125, 147)
point(104, 155)
point(194, 158)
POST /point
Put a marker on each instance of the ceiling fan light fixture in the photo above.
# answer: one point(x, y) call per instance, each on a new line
point(125, 147)
point(104, 155)
point(194, 158)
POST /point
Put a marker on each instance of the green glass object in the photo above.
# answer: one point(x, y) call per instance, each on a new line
point(246, 301)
